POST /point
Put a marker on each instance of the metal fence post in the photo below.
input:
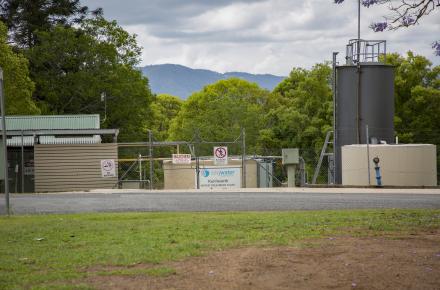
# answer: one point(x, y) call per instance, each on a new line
point(150, 139)
point(5, 148)
point(22, 162)
point(140, 170)
point(243, 158)
point(368, 153)
point(196, 149)
point(197, 168)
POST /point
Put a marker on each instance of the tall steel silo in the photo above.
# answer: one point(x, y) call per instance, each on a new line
point(364, 96)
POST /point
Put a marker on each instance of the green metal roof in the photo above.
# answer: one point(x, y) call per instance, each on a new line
point(52, 122)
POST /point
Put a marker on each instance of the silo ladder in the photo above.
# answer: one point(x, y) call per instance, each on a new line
point(321, 157)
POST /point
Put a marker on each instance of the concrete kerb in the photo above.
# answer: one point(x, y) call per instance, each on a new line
point(335, 190)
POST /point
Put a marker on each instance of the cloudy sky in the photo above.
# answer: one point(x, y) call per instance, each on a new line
point(257, 36)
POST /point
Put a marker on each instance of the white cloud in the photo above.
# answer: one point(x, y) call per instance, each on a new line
point(258, 36)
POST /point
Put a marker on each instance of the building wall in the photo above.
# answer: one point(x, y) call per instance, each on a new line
point(400, 165)
point(182, 176)
point(73, 167)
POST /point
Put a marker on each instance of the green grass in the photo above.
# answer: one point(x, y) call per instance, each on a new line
point(42, 250)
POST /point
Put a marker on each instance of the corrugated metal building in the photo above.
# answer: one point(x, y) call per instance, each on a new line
point(52, 122)
point(58, 153)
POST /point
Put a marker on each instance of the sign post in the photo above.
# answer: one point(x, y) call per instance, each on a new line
point(5, 148)
point(221, 155)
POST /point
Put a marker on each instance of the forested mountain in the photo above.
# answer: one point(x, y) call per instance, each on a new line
point(182, 81)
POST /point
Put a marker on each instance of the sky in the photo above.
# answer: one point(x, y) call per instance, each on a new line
point(257, 36)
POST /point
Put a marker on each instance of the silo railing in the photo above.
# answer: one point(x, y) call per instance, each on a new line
point(364, 51)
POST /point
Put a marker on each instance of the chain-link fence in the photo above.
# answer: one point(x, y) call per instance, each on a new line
point(139, 169)
point(261, 171)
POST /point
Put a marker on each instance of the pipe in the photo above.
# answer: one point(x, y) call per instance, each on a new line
point(335, 106)
point(359, 73)
point(358, 105)
point(368, 154)
point(377, 169)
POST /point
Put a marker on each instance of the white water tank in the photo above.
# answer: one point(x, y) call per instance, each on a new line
point(400, 165)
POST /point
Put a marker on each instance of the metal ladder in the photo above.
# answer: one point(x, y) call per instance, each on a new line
point(321, 157)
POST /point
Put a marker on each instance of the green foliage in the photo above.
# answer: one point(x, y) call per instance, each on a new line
point(25, 17)
point(72, 67)
point(164, 109)
point(109, 33)
point(299, 111)
point(43, 251)
point(220, 110)
point(18, 87)
point(417, 93)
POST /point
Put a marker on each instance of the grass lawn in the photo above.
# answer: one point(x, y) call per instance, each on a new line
point(54, 251)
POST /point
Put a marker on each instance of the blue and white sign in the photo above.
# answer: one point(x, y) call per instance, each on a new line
point(220, 178)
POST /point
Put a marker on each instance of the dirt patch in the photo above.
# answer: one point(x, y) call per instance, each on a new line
point(410, 262)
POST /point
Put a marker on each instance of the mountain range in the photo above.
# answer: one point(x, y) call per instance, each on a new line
point(182, 81)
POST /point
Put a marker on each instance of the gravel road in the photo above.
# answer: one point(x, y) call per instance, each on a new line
point(271, 200)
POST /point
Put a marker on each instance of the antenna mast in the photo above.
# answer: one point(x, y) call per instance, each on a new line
point(359, 32)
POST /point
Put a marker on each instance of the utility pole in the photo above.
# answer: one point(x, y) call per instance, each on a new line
point(5, 148)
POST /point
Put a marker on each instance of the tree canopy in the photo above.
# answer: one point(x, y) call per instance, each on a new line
point(417, 93)
point(73, 67)
point(24, 17)
point(299, 111)
point(164, 108)
point(220, 110)
point(18, 86)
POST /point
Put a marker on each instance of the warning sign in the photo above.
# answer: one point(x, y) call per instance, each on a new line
point(181, 158)
point(221, 155)
point(108, 168)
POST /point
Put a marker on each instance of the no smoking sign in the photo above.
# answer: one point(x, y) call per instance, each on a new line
point(220, 155)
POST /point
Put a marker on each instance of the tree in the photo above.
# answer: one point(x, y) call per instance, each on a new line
point(219, 111)
point(164, 109)
point(25, 17)
point(417, 93)
point(403, 14)
point(18, 87)
point(72, 67)
point(299, 112)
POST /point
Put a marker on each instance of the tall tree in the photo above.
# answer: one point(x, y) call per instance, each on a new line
point(18, 87)
point(417, 93)
point(299, 111)
point(164, 109)
point(219, 111)
point(25, 17)
point(73, 67)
